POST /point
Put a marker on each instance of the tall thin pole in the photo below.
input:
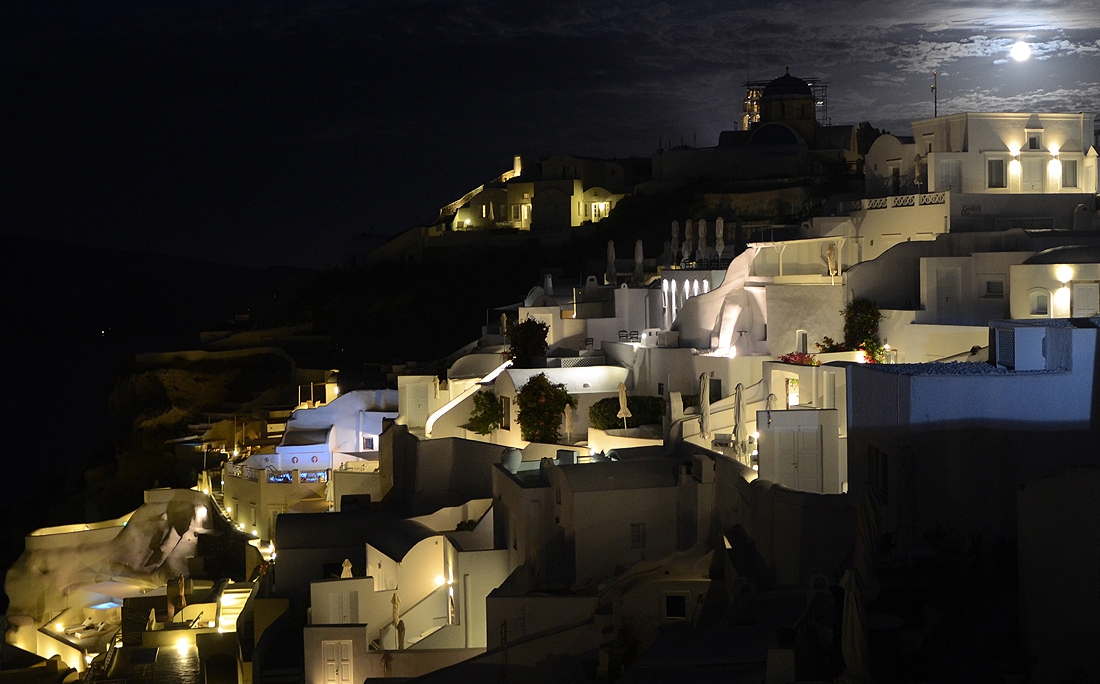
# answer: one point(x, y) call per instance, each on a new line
point(935, 97)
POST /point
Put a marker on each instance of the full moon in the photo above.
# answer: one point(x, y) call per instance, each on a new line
point(1020, 51)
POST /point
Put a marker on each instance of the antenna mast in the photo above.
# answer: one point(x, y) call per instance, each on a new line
point(935, 97)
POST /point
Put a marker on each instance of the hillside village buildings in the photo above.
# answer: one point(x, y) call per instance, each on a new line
point(384, 537)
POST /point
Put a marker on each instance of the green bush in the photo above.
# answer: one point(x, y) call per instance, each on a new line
point(487, 415)
point(527, 341)
point(541, 404)
point(861, 319)
point(603, 415)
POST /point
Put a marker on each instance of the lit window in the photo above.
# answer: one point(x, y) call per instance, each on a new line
point(484, 210)
point(1069, 173)
point(637, 535)
point(997, 173)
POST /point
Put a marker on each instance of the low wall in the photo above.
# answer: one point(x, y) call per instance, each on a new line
point(791, 535)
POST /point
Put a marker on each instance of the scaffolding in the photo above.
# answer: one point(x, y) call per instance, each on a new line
point(754, 90)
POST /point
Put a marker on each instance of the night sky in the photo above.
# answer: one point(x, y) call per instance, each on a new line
point(271, 133)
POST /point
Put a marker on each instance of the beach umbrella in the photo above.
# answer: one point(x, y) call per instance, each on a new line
point(624, 411)
point(675, 239)
point(568, 423)
point(704, 405)
point(719, 236)
point(639, 256)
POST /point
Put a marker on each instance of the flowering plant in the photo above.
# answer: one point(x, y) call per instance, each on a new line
point(799, 358)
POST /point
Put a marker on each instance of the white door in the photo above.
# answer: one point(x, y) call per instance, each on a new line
point(337, 661)
point(418, 405)
point(786, 457)
point(1086, 299)
point(1032, 176)
point(809, 458)
point(949, 176)
point(947, 295)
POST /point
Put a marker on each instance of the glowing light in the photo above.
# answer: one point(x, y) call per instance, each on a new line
point(1054, 148)
point(1020, 51)
point(1014, 149)
point(59, 627)
point(756, 436)
point(1064, 273)
point(755, 467)
point(1061, 302)
point(182, 646)
point(440, 581)
point(200, 513)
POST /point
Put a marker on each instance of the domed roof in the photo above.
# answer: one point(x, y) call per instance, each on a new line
point(1067, 254)
point(774, 134)
point(787, 85)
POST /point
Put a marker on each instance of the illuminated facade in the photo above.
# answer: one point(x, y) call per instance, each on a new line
point(988, 153)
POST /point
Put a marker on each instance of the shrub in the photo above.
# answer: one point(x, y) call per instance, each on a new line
point(487, 415)
point(541, 404)
point(799, 358)
point(861, 319)
point(603, 415)
point(527, 341)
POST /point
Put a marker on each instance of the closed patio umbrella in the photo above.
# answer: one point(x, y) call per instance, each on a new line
point(740, 430)
point(704, 405)
point(610, 276)
point(624, 411)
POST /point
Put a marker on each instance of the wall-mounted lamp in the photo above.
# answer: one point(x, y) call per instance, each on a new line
point(1054, 150)
point(1064, 273)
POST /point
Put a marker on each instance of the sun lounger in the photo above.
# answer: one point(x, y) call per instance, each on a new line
point(79, 628)
point(91, 631)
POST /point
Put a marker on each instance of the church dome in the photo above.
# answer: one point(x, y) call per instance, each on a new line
point(1067, 254)
point(787, 85)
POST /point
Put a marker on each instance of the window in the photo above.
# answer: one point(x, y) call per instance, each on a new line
point(995, 289)
point(484, 210)
point(526, 211)
point(506, 410)
point(637, 535)
point(515, 212)
point(1039, 302)
point(1034, 140)
point(996, 175)
point(368, 442)
point(801, 341)
point(1069, 173)
point(676, 606)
